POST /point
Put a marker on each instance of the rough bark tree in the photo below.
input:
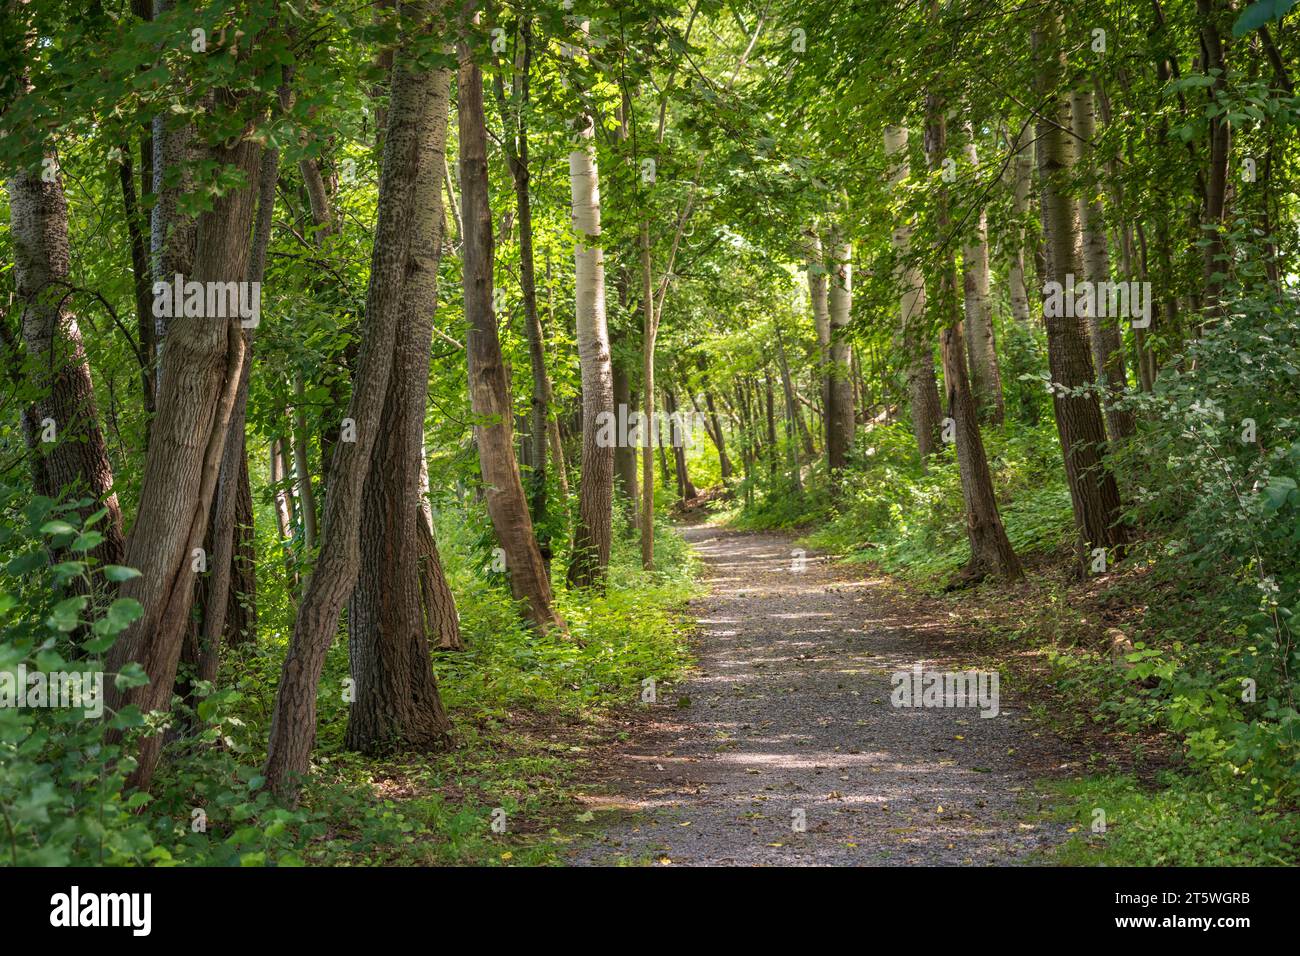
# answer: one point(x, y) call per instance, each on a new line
point(396, 705)
point(489, 396)
point(61, 424)
point(293, 721)
point(198, 383)
point(1093, 491)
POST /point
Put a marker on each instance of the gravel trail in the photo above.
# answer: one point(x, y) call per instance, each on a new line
point(788, 718)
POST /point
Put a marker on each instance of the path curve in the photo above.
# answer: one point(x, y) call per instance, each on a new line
point(789, 710)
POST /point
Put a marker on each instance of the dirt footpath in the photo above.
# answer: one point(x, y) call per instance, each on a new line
point(783, 748)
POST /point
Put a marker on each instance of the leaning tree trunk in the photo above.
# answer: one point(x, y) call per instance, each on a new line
point(61, 425)
point(198, 383)
point(990, 548)
point(589, 561)
point(396, 706)
point(1093, 491)
point(489, 397)
point(1103, 330)
point(202, 648)
point(986, 377)
point(293, 722)
point(442, 621)
point(922, 388)
point(541, 424)
point(840, 417)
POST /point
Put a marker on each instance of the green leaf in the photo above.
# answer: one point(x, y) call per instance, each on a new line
point(1277, 491)
point(131, 675)
point(120, 572)
point(57, 527)
point(87, 540)
point(67, 613)
point(123, 612)
point(1259, 14)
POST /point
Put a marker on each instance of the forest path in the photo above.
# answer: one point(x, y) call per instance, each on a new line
point(789, 710)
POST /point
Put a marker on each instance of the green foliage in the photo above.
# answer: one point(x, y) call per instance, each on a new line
point(63, 798)
point(1182, 823)
point(911, 521)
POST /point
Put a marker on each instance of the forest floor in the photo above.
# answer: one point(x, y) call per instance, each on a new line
point(787, 714)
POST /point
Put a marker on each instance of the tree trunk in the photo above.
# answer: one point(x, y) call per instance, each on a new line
point(677, 438)
point(922, 389)
point(442, 620)
point(589, 560)
point(649, 329)
point(1079, 422)
point(75, 462)
point(541, 427)
point(817, 296)
point(198, 384)
point(489, 397)
point(397, 706)
point(230, 523)
point(1021, 182)
point(624, 451)
point(140, 283)
point(302, 465)
point(986, 377)
point(990, 548)
point(1211, 17)
point(792, 404)
point(840, 415)
point(293, 723)
point(1103, 330)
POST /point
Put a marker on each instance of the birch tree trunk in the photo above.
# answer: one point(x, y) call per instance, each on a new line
point(1103, 330)
point(986, 377)
point(840, 414)
point(592, 535)
point(922, 388)
point(815, 270)
point(1021, 182)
